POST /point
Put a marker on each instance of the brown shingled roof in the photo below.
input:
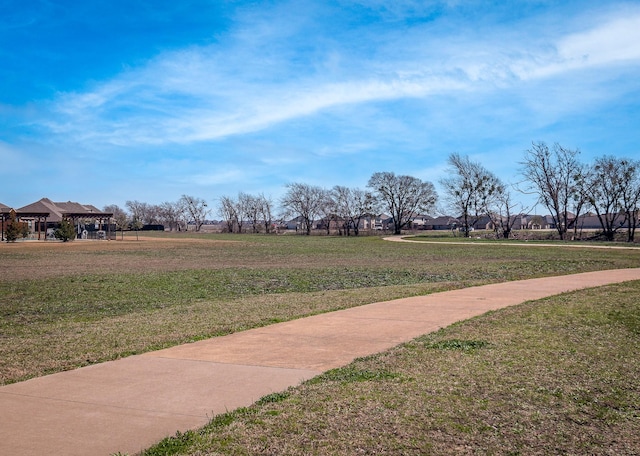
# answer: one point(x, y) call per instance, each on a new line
point(44, 206)
point(57, 210)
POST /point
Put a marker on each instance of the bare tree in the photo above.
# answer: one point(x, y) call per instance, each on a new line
point(171, 214)
point(402, 196)
point(143, 213)
point(265, 206)
point(120, 217)
point(196, 210)
point(228, 210)
point(352, 206)
point(329, 211)
point(136, 213)
point(256, 209)
point(250, 206)
point(303, 201)
point(505, 212)
point(341, 198)
point(470, 190)
point(631, 197)
point(554, 175)
point(607, 186)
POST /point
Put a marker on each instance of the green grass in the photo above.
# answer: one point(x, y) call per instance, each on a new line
point(556, 376)
point(65, 306)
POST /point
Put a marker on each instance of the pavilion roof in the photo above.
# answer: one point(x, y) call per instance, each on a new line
point(56, 211)
point(4, 209)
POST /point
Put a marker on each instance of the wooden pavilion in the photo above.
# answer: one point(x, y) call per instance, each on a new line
point(46, 214)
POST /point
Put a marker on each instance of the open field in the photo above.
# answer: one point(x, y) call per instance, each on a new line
point(555, 376)
point(67, 305)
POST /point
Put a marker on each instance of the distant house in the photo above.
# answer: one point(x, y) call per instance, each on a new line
point(534, 222)
point(380, 222)
point(420, 221)
point(368, 223)
point(442, 223)
point(484, 223)
point(590, 221)
point(586, 221)
point(293, 224)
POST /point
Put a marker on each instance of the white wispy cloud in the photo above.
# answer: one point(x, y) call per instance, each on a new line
point(612, 42)
point(208, 93)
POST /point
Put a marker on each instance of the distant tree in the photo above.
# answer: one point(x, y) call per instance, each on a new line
point(170, 214)
point(136, 225)
point(120, 217)
point(228, 210)
point(402, 197)
point(14, 228)
point(340, 198)
point(328, 211)
point(579, 200)
point(255, 209)
point(631, 197)
point(65, 231)
point(608, 185)
point(303, 201)
point(196, 210)
point(505, 212)
point(555, 176)
point(470, 190)
point(352, 206)
point(144, 213)
point(250, 207)
point(265, 206)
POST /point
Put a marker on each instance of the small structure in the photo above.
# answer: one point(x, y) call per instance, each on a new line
point(44, 216)
point(5, 212)
point(36, 216)
point(442, 223)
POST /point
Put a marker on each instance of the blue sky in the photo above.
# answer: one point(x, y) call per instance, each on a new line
point(104, 102)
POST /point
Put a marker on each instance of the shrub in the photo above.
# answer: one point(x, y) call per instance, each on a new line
point(65, 232)
point(15, 229)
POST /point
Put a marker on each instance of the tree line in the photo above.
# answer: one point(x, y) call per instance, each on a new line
point(610, 187)
point(566, 187)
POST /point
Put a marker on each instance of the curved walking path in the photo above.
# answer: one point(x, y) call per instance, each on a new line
point(130, 404)
point(401, 238)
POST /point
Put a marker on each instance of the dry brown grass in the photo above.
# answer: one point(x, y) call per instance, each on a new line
point(37, 260)
point(557, 376)
point(64, 305)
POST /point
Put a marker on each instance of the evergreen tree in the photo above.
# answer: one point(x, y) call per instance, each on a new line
point(65, 232)
point(15, 229)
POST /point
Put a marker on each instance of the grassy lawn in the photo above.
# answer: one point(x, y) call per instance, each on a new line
point(68, 305)
point(555, 376)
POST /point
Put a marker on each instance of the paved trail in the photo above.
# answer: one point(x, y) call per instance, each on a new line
point(130, 404)
point(513, 243)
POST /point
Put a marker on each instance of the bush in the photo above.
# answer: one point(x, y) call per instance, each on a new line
point(65, 232)
point(15, 229)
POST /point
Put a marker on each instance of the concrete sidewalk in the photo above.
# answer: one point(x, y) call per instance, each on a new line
point(130, 404)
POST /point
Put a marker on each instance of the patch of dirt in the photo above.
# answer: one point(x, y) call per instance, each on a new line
point(44, 259)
